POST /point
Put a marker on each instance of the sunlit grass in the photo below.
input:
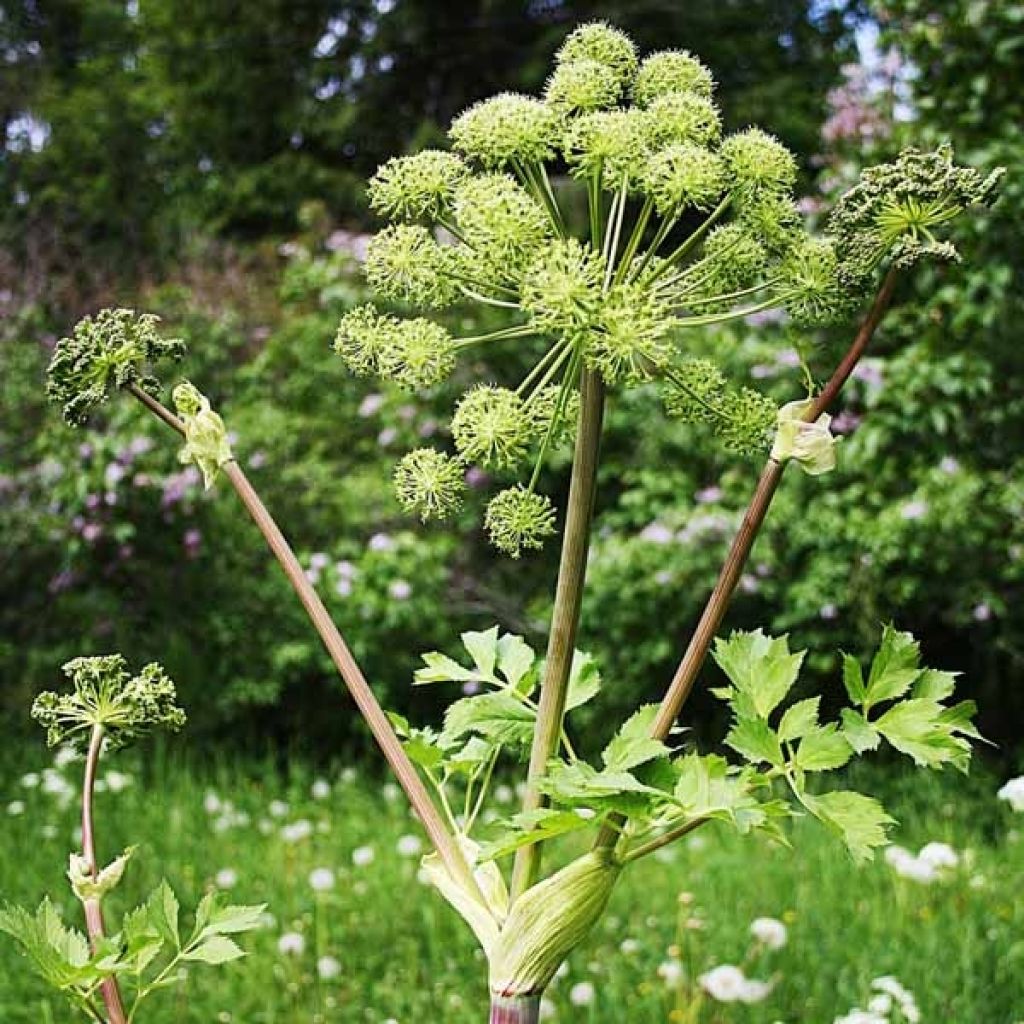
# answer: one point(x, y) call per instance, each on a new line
point(958, 944)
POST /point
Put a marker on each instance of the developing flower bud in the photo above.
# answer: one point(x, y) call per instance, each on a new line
point(548, 922)
point(682, 117)
point(490, 427)
point(502, 224)
point(896, 207)
point(733, 260)
point(671, 71)
point(582, 86)
point(404, 263)
point(429, 483)
point(518, 519)
point(206, 436)
point(773, 219)
point(105, 694)
point(757, 163)
point(89, 887)
point(561, 290)
point(506, 128)
point(683, 175)
point(365, 339)
point(599, 42)
point(103, 354)
point(417, 187)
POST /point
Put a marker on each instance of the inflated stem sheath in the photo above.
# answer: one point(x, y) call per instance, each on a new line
point(109, 992)
point(565, 617)
point(350, 672)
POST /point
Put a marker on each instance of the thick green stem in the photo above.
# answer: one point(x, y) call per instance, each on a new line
point(515, 1009)
point(566, 615)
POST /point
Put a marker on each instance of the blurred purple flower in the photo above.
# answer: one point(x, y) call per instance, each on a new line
point(828, 611)
point(949, 464)
point(400, 590)
point(62, 581)
point(657, 533)
point(845, 422)
point(91, 532)
point(387, 437)
point(982, 612)
point(381, 542)
point(708, 495)
point(914, 510)
point(257, 460)
point(476, 477)
point(370, 405)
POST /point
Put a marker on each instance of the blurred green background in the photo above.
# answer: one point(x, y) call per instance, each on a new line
point(206, 161)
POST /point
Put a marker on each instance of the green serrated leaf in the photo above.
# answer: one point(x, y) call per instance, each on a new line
point(823, 749)
point(760, 667)
point(584, 681)
point(858, 732)
point(633, 744)
point(143, 942)
point(499, 717)
point(515, 659)
point(915, 728)
point(162, 908)
point(755, 740)
point(218, 949)
point(483, 649)
point(533, 827)
point(860, 820)
point(234, 919)
point(439, 668)
point(853, 679)
point(934, 685)
point(799, 719)
point(894, 667)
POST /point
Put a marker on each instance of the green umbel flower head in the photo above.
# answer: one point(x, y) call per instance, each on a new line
point(206, 436)
point(104, 353)
point(684, 175)
point(506, 129)
point(106, 695)
point(897, 210)
point(418, 187)
point(603, 44)
point(683, 230)
point(582, 86)
point(519, 520)
point(404, 263)
point(671, 71)
point(491, 427)
point(429, 483)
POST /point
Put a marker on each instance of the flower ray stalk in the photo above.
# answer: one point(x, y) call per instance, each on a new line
point(109, 991)
point(377, 721)
point(718, 602)
point(566, 615)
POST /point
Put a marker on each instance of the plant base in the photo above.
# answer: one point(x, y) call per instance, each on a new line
point(515, 1009)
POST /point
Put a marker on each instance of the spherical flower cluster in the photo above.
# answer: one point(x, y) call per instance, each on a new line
point(810, 273)
point(758, 163)
point(105, 353)
point(581, 86)
point(404, 263)
point(609, 143)
point(682, 175)
point(502, 225)
point(682, 117)
point(629, 338)
point(603, 44)
point(733, 260)
point(429, 483)
point(519, 519)
point(417, 187)
point(508, 128)
point(491, 428)
point(671, 71)
point(561, 289)
point(363, 339)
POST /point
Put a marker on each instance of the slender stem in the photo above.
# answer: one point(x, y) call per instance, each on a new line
point(519, 331)
point(664, 229)
point(556, 416)
point(389, 743)
point(664, 839)
point(109, 991)
point(717, 604)
point(515, 1009)
point(498, 303)
point(566, 614)
point(613, 247)
point(594, 207)
point(634, 239)
point(681, 250)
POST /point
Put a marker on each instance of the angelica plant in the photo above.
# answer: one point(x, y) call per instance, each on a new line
point(107, 709)
point(685, 228)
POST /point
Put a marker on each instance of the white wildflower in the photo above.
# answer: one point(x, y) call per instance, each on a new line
point(363, 856)
point(321, 789)
point(296, 831)
point(1013, 793)
point(328, 967)
point(769, 932)
point(671, 972)
point(226, 878)
point(291, 944)
point(409, 846)
point(582, 994)
point(321, 879)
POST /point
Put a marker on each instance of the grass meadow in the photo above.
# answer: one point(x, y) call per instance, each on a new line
point(352, 935)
